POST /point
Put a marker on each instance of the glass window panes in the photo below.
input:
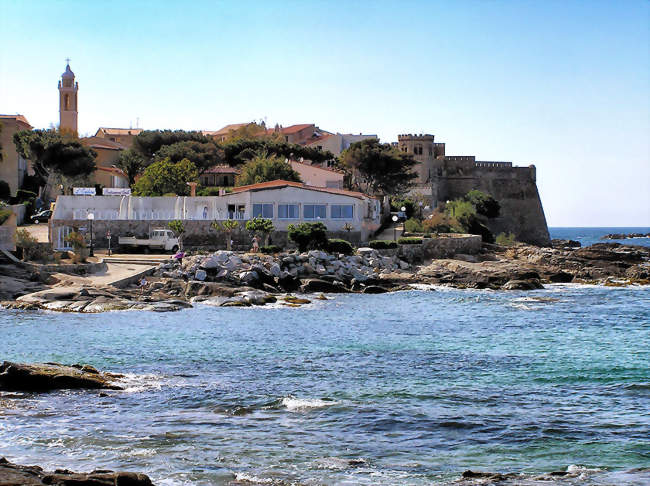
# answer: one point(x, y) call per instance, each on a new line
point(263, 211)
point(288, 211)
point(314, 211)
point(342, 211)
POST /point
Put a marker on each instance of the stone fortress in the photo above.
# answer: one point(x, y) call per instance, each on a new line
point(444, 177)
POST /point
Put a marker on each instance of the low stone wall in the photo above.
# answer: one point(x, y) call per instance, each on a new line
point(443, 246)
point(19, 210)
point(198, 234)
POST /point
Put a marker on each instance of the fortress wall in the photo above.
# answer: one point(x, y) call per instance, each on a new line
point(516, 191)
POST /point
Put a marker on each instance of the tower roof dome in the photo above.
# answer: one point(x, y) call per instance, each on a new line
point(68, 72)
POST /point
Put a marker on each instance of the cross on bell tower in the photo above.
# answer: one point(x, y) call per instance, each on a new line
point(68, 101)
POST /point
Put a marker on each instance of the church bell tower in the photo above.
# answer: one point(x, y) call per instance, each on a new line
point(68, 101)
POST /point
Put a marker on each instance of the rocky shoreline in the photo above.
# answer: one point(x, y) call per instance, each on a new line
point(224, 278)
point(624, 236)
point(16, 475)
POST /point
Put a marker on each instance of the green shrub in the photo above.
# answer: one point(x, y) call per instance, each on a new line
point(409, 241)
point(484, 204)
point(5, 191)
point(269, 249)
point(308, 236)
point(26, 242)
point(339, 246)
point(212, 191)
point(382, 244)
point(5, 214)
point(413, 225)
point(505, 239)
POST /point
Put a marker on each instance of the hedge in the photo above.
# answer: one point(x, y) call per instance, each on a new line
point(409, 241)
point(339, 246)
point(270, 249)
point(382, 244)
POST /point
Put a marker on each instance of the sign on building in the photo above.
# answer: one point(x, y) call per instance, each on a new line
point(116, 191)
point(84, 191)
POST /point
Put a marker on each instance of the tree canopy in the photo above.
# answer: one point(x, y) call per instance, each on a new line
point(240, 151)
point(264, 168)
point(132, 163)
point(202, 154)
point(50, 153)
point(148, 142)
point(484, 204)
point(378, 168)
point(165, 177)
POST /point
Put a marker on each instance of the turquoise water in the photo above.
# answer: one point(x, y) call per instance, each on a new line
point(420, 385)
point(589, 236)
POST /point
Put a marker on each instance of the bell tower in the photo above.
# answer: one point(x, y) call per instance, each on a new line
point(68, 101)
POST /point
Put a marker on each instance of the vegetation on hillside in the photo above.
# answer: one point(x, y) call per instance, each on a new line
point(264, 168)
point(166, 177)
point(378, 168)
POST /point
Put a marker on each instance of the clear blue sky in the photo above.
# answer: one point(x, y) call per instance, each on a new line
point(561, 84)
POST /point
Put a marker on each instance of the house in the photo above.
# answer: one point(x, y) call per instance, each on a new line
point(123, 136)
point(13, 167)
point(313, 175)
point(351, 215)
point(337, 142)
point(219, 176)
point(108, 153)
point(222, 134)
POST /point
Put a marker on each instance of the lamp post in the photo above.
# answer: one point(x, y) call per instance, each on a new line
point(395, 218)
point(91, 217)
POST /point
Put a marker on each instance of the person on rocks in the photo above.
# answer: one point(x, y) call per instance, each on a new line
point(256, 244)
point(179, 257)
point(143, 284)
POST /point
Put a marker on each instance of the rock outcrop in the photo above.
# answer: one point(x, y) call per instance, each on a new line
point(16, 475)
point(91, 300)
point(53, 376)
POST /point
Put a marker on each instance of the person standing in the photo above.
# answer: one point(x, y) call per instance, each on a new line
point(256, 244)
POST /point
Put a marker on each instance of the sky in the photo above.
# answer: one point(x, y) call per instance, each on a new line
point(564, 85)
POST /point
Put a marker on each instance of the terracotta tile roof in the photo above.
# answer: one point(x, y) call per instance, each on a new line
point(119, 131)
point(113, 170)
point(18, 118)
point(280, 183)
point(296, 128)
point(102, 143)
point(319, 138)
point(222, 169)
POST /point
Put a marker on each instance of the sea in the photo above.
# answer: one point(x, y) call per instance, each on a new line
point(407, 388)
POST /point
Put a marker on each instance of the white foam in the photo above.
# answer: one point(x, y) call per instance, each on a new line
point(251, 479)
point(574, 469)
point(294, 404)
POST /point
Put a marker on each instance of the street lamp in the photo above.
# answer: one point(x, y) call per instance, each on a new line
point(91, 217)
point(395, 218)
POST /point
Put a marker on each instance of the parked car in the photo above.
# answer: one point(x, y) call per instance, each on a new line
point(41, 216)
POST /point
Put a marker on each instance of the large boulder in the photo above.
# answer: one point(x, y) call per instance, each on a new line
point(15, 475)
point(529, 284)
point(53, 376)
point(319, 285)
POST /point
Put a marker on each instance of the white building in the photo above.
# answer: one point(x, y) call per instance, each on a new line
point(337, 142)
point(346, 212)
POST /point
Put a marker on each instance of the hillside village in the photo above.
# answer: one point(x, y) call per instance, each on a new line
point(130, 181)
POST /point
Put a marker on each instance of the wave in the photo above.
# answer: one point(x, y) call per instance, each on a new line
point(296, 404)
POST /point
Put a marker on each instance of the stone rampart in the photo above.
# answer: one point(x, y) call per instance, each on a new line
point(515, 189)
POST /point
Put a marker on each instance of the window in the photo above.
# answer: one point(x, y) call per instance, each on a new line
point(288, 211)
point(342, 211)
point(236, 211)
point(314, 211)
point(263, 211)
point(430, 150)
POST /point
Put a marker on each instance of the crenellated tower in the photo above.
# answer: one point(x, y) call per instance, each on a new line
point(68, 101)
